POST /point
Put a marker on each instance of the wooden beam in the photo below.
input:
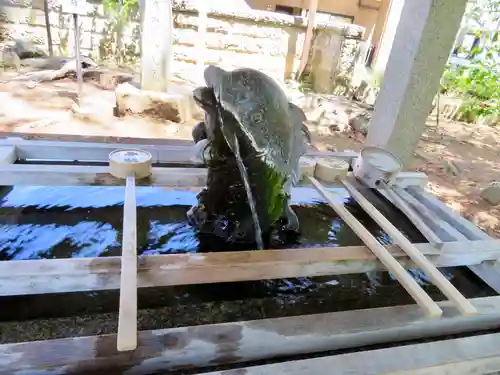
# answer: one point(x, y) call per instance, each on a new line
point(94, 151)
point(437, 278)
point(90, 151)
point(430, 307)
point(69, 175)
point(313, 7)
point(188, 347)
point(474, 355)
point(127, 316)
point(79, 175)
point(22, 277)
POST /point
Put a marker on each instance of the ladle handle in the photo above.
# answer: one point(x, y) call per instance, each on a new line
point(127, 318)
point(430, 307)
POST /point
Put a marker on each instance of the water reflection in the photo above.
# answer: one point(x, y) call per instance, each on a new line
point(60, 222)
point(31, 241)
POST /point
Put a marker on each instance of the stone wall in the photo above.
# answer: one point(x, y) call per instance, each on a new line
point(332, 59)
point(263, 40)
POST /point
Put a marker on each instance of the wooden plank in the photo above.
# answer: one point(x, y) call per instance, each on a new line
point(474, 355)
point(188, 347)
point(430, 307)
point(437, 278)
point(127, 315)
point(90, 274)
point(73, 175)
point(313, 6)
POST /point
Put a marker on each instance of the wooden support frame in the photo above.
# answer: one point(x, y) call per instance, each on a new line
point(209, 345)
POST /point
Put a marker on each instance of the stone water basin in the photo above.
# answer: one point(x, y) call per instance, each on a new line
point(63, 222)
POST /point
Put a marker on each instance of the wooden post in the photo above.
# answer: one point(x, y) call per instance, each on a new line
point(78, 62)
point(76, 7)
point(313, 6)
point(200, 42)
point(156, 45)
point(46, 11)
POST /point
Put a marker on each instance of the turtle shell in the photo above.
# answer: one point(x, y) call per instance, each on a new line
point(262, 113)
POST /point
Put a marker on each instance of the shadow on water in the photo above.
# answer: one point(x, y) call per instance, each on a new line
point(62, 222)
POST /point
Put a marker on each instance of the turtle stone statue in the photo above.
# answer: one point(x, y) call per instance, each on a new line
point(247, 115)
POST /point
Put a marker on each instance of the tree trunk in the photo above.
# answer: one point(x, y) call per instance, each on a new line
point(47, 26)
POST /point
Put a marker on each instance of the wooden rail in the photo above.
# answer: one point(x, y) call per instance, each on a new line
point(80, 175)
point(94, 151)
point(209, 345)
point(464, 356)
point(22, 277)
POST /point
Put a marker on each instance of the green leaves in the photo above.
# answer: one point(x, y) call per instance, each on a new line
point(122, 10)
point(479, 82)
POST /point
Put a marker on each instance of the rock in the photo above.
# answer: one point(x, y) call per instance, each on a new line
point(360, 121)
point(25, 49)
point(107, 79)
point(175, 105)
point(491, 194)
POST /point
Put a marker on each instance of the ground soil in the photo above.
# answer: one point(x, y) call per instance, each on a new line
point(451, 147)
